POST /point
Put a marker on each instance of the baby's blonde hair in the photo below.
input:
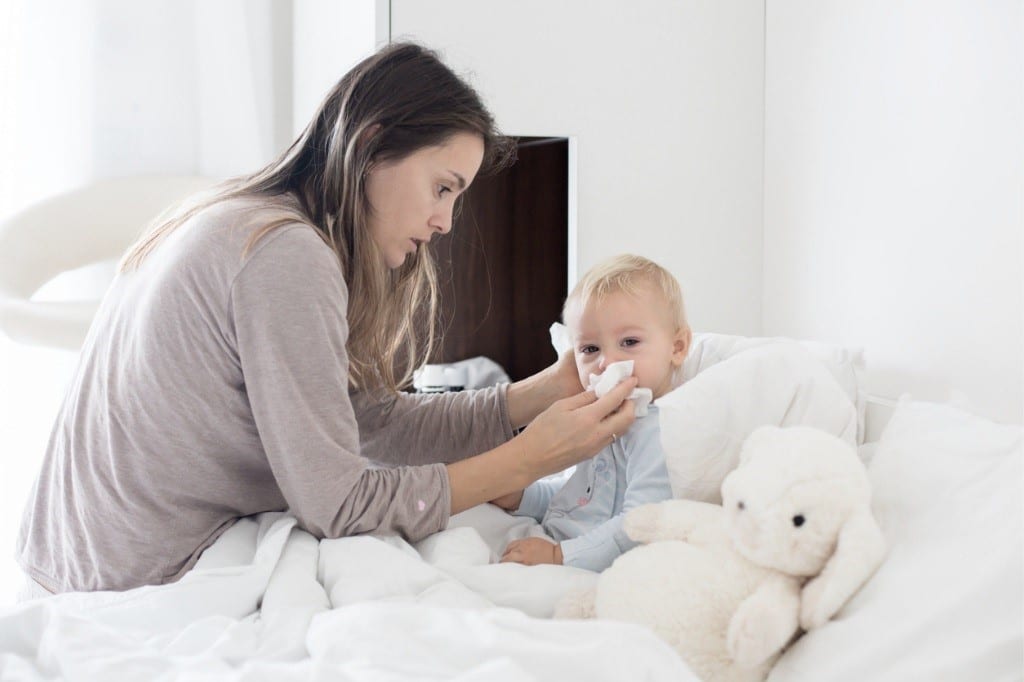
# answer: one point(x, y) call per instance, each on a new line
point(628, 273)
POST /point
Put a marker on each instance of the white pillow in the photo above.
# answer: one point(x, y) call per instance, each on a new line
point(845, 364)
point(706, 419)
point(946, 603)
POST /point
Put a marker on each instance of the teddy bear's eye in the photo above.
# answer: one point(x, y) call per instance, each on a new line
point(740, 505)
point(798, 520)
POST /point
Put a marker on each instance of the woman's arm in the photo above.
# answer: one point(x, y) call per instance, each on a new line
point(561, 436)
point(410, 429)
point(413, 429)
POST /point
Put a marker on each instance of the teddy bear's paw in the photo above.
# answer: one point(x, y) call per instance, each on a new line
point(816, 605)
point(749, 642)
point(578, 603)
point(643, 524)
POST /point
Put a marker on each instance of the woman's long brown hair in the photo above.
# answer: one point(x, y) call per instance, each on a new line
point(392, 104)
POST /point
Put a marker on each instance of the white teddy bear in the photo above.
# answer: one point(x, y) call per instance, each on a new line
point(730, 586)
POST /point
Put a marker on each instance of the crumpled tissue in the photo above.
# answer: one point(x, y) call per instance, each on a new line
point(613, 375)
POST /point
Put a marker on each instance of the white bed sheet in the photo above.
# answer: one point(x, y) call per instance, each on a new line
point(268, 601)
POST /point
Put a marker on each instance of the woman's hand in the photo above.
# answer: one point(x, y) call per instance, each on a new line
point(576, 428)
point(531, 396)
point(532, 551)
point(563, 435)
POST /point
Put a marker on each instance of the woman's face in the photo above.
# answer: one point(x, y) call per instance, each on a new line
point(413, 198)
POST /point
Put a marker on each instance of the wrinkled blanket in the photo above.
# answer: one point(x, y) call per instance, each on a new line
point(269, 601)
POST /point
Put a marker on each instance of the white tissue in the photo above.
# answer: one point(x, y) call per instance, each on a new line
point(613, 375)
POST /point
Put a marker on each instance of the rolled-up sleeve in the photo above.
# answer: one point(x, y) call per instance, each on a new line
point(288, 306)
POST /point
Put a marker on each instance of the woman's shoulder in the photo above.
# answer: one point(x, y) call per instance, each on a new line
point(263, 227)
point(281, 252)
point(246, 214)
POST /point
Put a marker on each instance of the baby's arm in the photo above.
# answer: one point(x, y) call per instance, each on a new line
point(646, 481)
point(596, 549)
point(533, 501)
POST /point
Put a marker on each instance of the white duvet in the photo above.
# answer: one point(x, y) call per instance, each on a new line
point(270, 602)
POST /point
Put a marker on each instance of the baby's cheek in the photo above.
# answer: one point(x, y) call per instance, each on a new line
point(649, 376)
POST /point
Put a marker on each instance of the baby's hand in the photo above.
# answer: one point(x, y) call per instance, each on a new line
point(532, 551)
point(509, 502)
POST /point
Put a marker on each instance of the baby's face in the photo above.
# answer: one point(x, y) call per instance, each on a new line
point(623, 327)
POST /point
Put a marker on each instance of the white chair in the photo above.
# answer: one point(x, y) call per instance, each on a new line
point(88, 225)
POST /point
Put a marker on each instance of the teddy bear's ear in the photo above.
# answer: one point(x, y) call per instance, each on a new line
point(860, 549)
point(758, 439)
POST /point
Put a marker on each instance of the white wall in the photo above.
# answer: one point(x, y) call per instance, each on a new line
point(329, 38)
point(663, 100)
point(894, 190)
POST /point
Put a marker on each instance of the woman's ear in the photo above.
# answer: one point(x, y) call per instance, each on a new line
point(681, 345)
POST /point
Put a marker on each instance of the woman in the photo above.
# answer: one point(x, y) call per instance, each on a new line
point(248, 356)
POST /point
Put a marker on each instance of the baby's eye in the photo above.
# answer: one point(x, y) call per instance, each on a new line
point(630, 342)
point(587, 350)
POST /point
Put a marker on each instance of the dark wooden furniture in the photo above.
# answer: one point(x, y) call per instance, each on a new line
point(504, 266)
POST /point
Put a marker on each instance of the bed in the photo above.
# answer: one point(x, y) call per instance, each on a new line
point(269, 601)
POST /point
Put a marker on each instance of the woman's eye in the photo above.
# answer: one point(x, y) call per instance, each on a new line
point(442, 189)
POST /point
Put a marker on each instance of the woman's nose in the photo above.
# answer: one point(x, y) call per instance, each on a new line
point(442, 221)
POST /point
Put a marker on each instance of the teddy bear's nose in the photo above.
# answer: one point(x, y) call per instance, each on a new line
point(798, 520)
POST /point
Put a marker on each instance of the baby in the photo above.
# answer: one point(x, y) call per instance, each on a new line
point(627, 308)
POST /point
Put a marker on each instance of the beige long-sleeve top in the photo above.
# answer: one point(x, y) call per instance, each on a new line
point(214, 385)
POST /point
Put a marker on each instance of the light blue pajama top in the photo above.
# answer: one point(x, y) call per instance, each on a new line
point(585, 514)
